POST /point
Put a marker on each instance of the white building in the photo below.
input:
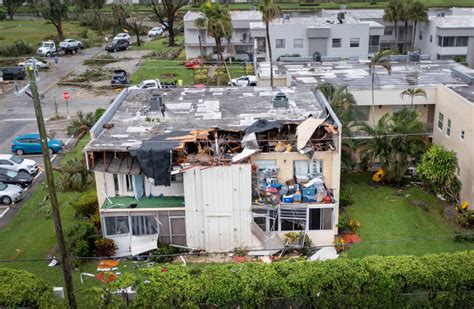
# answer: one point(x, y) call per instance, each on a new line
point(216, 169)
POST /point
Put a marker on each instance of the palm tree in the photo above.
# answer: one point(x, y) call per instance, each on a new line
point(417, 13)
point(81, 124)
point(216, 19)
point(412, 93)
point(269, 11)
point(396, 140)
point(379, 59)
point(406, 4)
point(394, 13)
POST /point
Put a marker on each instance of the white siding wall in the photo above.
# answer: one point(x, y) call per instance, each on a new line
point(288, 32)
point(218, 207)
point(346, 32)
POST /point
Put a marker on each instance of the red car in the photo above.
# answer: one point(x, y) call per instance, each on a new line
point(194, 63)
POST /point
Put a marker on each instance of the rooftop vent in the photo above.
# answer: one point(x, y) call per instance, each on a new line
point(340, 17)
point(414, 57)
point(286, 16)
point(280, 100)
point(156, 102)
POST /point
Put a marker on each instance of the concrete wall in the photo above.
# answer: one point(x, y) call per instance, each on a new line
point(345, 32)
point(461, 113)
point(288, 32)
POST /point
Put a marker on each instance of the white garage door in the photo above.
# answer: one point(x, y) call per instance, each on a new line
point(218, 234)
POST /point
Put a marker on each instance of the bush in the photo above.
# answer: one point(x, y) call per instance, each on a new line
point(182, 55)
point(346, 197)
point(249, 69)
point(87, 205)
point(104, 247)
point(466, 218)
point(74, 175)
point(19, 48)
point(19, 288)
point(98, 113)
point(464, 238)
point(443, 280)
point(164, 249)
point(80, 239)
point(201, 76)
point(84, 34)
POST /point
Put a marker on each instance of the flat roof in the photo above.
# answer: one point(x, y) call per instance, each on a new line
point(235, 15)
point(123, 202)
point(355, 74)
point(454, 21)
point(466, 91)
point(188, 109)
point(315, 22)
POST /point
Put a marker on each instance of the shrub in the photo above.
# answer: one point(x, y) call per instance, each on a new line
point(249, 69)
point(98, 113)
point(19, 48)
point(182, 55)
point(84, 34)
point(466, 218)
point(201, 76)
point(164, 249)
point(346, 197)
point(80, 239)
point(343, 221)
point(442, 280)
point(74, 175)
point(464, 238)
point(87, 205)
point(19, 288)
point(104, 247)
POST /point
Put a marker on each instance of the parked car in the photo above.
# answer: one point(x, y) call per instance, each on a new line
point(13, 73)
point(30, 62)
point(30, 143)
point(247, 80)
point(156, 31)
point(147, 84)
point(117, 45)
point(17, 164)
point(194, 63)
point(21, 179)
point(119, 77)
point(71, 44)
point(10, 193)
point(122, 36)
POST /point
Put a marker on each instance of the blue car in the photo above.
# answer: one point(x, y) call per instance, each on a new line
point(30, 143)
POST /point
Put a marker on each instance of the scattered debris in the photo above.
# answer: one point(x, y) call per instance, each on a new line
point(326, 253)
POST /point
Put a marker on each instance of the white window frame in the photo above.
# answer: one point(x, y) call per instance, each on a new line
point(279, 43)
point(314, 168)
point(321, 220)
point(352, 42)
point(298, 43)
point(336, 45)
point(448, 128)
point(440, 121)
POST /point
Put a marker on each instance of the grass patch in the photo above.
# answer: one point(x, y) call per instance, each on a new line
point(171, 70)
point(102, 60)
point(159, 44)
point(35, 31)
point(385, 216)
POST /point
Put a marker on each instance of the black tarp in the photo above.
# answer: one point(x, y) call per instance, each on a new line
point(263, 125)
point(154, 157)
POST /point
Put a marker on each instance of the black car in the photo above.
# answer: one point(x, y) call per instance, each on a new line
point(119, 77)
point(117, 45)
point(13, 73)
point(22, 179)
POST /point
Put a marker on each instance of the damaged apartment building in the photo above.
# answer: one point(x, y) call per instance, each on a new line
point(216, 169)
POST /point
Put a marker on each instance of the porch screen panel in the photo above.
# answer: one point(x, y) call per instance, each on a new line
point(164, 227)
point(327, 219)
point(144, 225)
point(178, 231)
point(116, 225)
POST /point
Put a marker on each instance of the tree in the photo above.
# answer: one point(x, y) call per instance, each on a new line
point(81, 124)
point(269, 11)
point(12, 6)
point(54, 11)
point(167, 13)
point(417, 12)
point(216, 19)
point(438, 169)
point(396, 140)
point(393, 13)
point(406, 4)
point(379, 59)
point(126, 17)
point(412, 93)
point(91, 7)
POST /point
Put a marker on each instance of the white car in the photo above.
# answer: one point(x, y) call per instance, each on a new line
point(10, 193)
point(247, 80)
point(156, 31)
point(122, 36)
point(38, 63)
point(147, 84)
point(70, 44)
point(17, 164)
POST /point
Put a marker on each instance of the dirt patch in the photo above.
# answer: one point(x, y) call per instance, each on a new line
point(450, 214)
point(168, 75)
point(207, 258)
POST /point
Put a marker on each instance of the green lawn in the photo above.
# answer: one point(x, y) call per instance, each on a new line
point(171, 70)
point(388, 221)
point(34, 32)
point(159, 44)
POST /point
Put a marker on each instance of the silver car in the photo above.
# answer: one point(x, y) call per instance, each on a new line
point(10, 193)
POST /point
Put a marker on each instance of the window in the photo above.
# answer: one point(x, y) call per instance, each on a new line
point(440, 40)
point(336, 43)
point(144, 225)
point(298, 43)
point(354, 42)
point(128, 183)
point(362, 113)
point(440, 121)
point(292, 218)
point(420, 36)
point(448, 41)
point(304, 169)
point(320, 218)
point(177, 178)
point(116, 184)
point(280, 43)
point(388, 31)
point(461, 41)
point(448, 128)
point(374, 40)
point(431, 38)
point(462, 134)
point(5, 162)
point(116, 225)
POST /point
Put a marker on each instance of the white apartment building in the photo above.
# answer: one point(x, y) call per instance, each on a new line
point(216, 168)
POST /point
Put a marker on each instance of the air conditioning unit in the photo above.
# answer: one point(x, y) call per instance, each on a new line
point(280, 100)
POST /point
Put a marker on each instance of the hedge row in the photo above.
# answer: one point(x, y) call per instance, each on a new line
point(19, 288)
point(433, 280)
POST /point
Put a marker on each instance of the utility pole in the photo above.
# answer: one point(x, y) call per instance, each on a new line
point(52, 190)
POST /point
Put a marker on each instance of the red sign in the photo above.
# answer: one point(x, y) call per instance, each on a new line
point(66, 95)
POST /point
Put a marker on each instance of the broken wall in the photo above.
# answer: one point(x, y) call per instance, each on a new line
point(218, 207)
